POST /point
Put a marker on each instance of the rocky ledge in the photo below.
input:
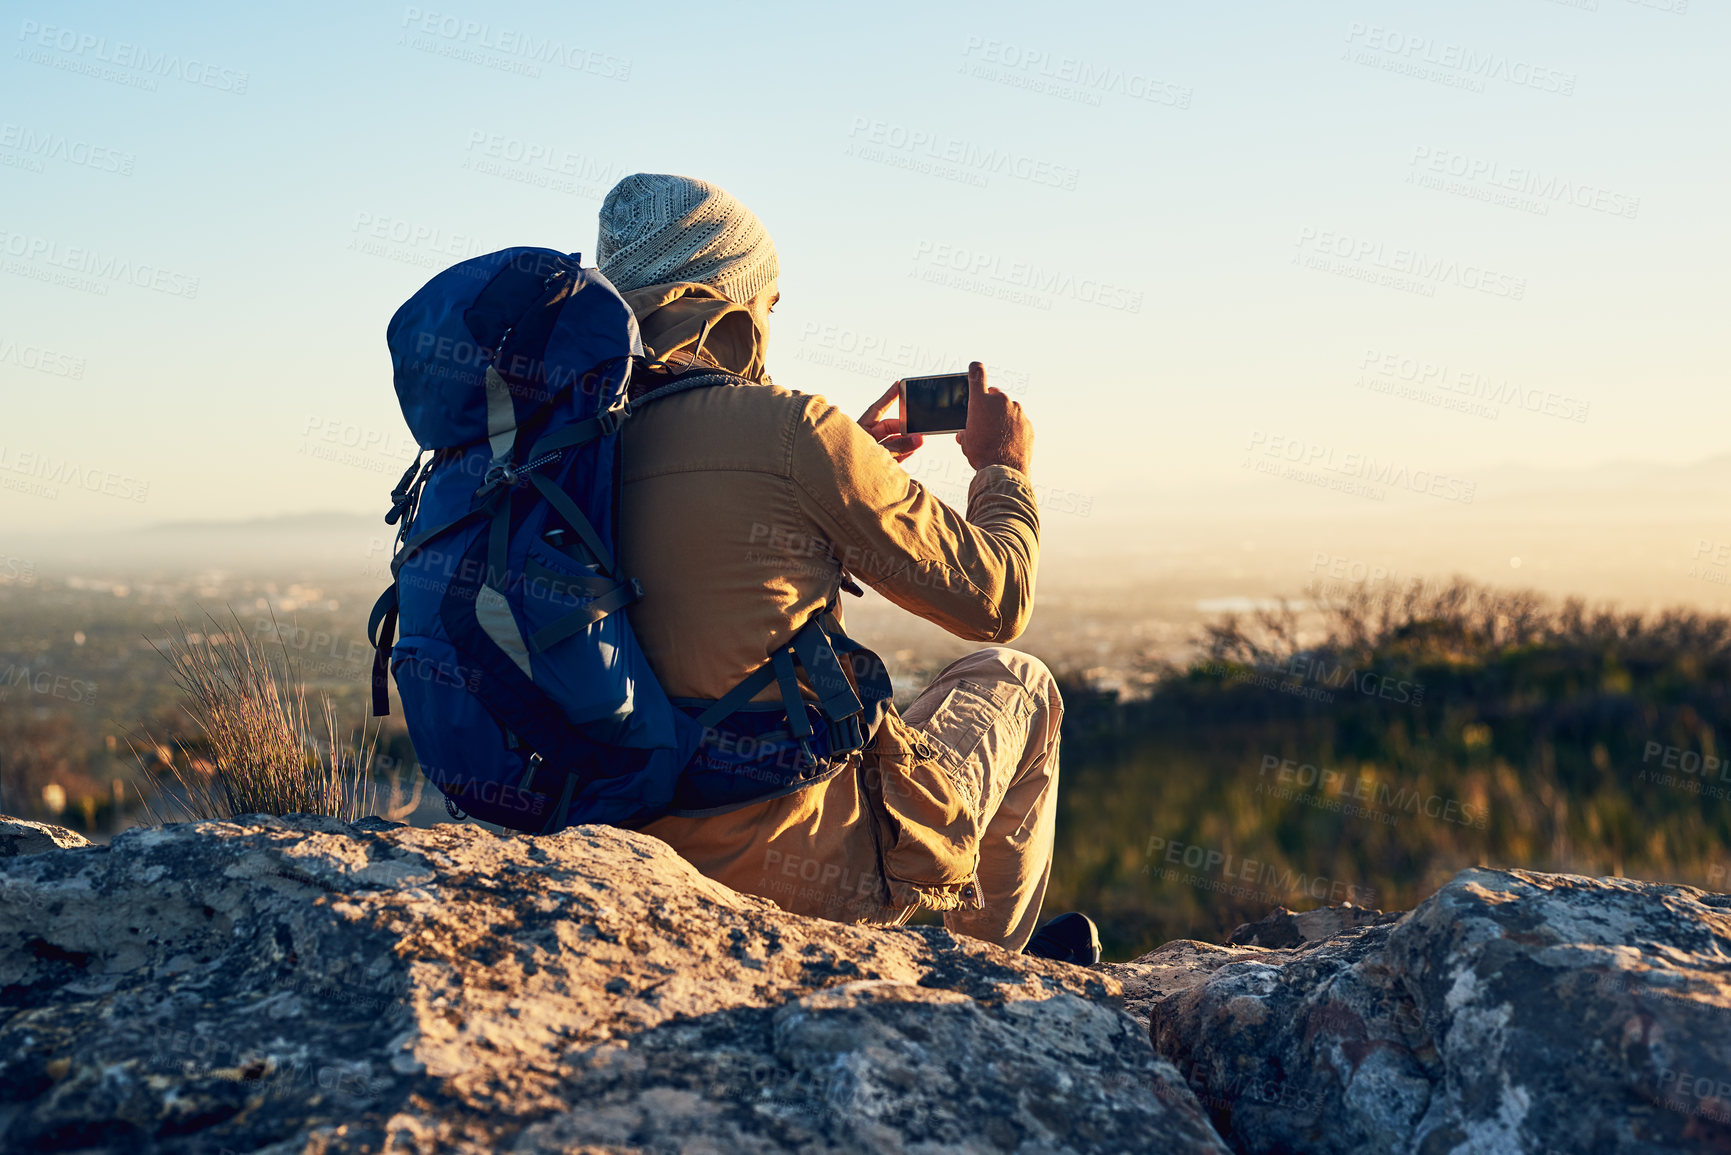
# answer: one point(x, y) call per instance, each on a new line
point(1510, 1011)
point(18, 836)
point(300, 985)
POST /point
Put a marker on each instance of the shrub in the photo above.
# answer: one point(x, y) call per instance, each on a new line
point(256, 748)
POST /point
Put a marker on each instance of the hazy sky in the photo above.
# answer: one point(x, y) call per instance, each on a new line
point(1200, 241)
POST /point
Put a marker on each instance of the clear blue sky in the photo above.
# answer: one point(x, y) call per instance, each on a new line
point(1189, 206)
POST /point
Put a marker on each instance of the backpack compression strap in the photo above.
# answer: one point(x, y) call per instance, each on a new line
point(814, 647)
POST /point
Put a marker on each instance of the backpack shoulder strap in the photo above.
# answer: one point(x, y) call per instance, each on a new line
point(687, 381)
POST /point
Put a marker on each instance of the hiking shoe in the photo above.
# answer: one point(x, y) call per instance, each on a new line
point(1071, 938)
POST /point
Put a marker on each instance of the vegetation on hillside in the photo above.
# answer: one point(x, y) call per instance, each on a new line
point(1362, 747)
point(1426, 729)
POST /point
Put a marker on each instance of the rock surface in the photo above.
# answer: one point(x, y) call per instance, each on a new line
point(20, 836)
point(299, 985)
point(1284, 928)
point(302, 985)
point(1511, 1011)
point(1174, 967)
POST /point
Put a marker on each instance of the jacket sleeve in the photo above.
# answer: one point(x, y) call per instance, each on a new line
point(973, 576)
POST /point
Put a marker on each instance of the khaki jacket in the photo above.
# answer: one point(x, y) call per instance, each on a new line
point(741, 508)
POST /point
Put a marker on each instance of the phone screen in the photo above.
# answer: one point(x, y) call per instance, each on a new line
point(937, 404)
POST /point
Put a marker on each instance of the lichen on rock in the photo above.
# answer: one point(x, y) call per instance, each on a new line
point(300, 984)
point(1511, 1011)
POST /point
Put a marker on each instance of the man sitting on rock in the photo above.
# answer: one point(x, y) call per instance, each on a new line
point(744, 511)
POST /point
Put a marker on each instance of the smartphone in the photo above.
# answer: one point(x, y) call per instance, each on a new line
point(935, 404)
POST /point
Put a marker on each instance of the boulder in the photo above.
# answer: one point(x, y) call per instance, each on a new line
point(300, 985)
point(1511, 1011)
point(1286, 928)
point(20, 836)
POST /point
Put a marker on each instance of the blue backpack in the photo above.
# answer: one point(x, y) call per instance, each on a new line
point(528, 700)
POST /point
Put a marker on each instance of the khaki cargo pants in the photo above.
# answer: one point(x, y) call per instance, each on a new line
point(993, 717)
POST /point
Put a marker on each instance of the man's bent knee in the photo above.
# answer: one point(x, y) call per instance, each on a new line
point(1025, 668)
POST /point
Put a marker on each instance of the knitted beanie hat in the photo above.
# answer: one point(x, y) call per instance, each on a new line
point(657, 229)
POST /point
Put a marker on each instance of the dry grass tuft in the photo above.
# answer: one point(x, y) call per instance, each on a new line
point(256, 749)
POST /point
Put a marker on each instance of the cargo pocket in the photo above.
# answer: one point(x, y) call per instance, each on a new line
point(928, 839)
point(960, 723)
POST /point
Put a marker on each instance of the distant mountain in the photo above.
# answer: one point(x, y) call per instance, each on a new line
point(317, 521)
point(1693, 478)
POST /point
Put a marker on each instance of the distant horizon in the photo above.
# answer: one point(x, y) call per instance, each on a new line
point(1248, 488)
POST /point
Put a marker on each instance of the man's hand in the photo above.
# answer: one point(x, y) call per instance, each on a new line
point(887, 431)
point(998, 432)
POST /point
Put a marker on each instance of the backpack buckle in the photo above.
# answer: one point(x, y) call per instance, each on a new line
point(610, 419)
